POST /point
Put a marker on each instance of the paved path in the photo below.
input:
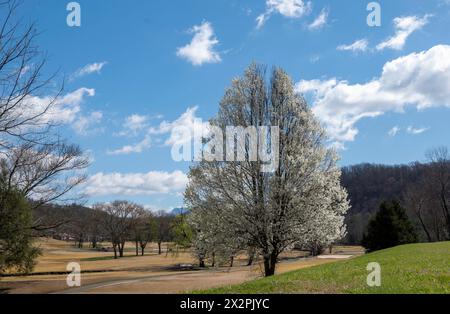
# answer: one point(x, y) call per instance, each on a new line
point(118, 282)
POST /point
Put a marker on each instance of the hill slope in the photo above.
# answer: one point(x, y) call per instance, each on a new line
point(413, 268)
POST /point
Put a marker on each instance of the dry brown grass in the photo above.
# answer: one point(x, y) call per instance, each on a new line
point(151, 273)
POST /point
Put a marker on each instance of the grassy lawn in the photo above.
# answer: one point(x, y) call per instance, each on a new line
point(414, 268)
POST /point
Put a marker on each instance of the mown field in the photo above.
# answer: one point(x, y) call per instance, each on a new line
point(152, 273)
point(414, 268)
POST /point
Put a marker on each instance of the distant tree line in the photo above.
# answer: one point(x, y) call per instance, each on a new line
point(115, 223)
point(423, 189)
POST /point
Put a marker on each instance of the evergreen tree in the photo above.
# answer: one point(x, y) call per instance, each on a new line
point(390, 227)
point(17, 252)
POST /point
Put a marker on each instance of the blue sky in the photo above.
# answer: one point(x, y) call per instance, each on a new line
point(134, 69)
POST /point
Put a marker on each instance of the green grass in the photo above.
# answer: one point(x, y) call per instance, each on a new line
point(413, 268)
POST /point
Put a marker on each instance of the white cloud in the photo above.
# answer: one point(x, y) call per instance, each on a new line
point(168, 131)
point(37, 112)
point(287, 8)
point(133, 124)
point(134, 148)
point(415, 131)
point(320, 21)
point(132, 184)
point(393, 132)
point(60, 110)
point(318, 86)
point(201, 48)
point(404, 27)
point(359, 45)
point(89, 69)
point(261, 20)
point(418, 79)
point(188, 120)
point(84, 123)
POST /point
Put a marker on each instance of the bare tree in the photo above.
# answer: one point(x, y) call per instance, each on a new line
point(22, 117)
point(41, 165)
point(417, 200)
point(34, 161)
point(162, 223)
point(143, 231)
point(119, 222)
point(438, 179)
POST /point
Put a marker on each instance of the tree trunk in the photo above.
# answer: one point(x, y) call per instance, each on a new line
point(251, 255)
point(270, 261)
point(137, 248)
point(94, 242)
point(201, 263)
point(159, 248)
point(121, 247)
point(115, 251)
point(437, 229)
point(445, 210)
point(424, 227)
point(231, 261)
point(213, 260)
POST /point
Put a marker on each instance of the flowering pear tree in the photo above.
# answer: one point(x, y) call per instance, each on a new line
point(301, 202)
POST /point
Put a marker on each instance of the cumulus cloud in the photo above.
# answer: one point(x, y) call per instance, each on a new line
point(320, 21)
point(133, 184)
point(287, 8)
point(138, 147)
point(37, 112)
point(418, 79)
point(133, 124)
point(360, 45)
point(89, 69)
point(60, 110)
point(85, 125)
point(168, 131)
point(404, 27)
point(188, 120)
point(201, 48)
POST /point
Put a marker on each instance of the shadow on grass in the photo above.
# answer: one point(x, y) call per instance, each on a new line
point(105, 258)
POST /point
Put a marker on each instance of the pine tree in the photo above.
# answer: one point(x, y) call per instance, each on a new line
point(17, 252)
point(390, 227)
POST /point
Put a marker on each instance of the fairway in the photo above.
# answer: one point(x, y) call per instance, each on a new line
point(152, 273)
point(414, 268)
